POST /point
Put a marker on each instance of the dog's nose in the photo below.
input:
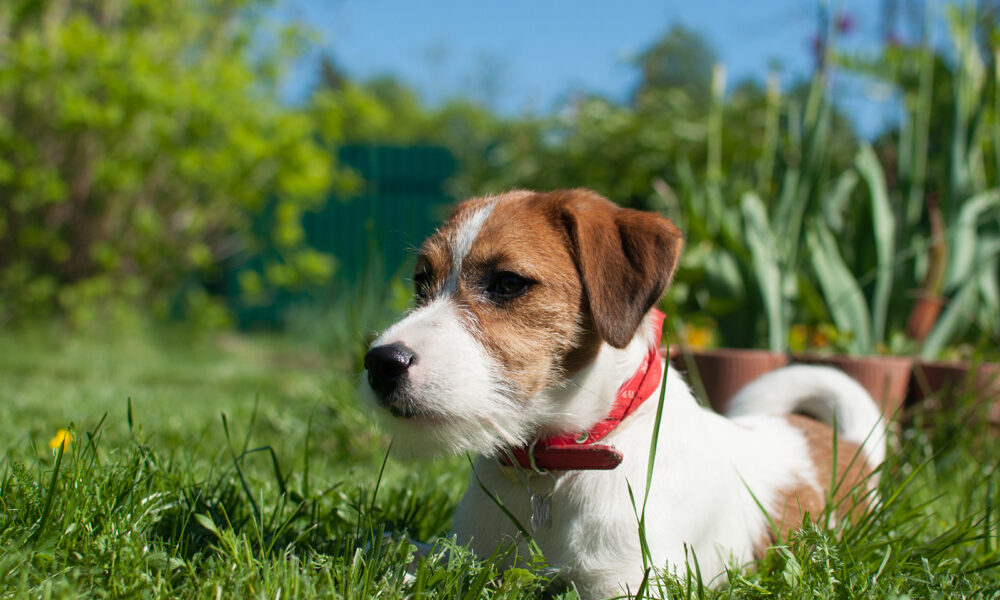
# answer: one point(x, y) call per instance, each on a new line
point(387, 366)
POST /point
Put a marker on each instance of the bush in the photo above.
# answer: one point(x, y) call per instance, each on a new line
point(137, 141)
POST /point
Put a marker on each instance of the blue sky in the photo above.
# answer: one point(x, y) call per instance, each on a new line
point(525, 55)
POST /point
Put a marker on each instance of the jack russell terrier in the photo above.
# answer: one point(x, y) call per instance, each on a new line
point(534, 344)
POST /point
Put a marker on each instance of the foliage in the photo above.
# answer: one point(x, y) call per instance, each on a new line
point(137, 140)
point(943, 191)
point(871, 249)
point(743, 263)
point(620, 151)
point(864, 324)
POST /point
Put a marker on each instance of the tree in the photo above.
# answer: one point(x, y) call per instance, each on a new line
point(681, 59)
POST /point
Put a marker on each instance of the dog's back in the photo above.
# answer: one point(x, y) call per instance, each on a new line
point(844, 432)
point(823, 393)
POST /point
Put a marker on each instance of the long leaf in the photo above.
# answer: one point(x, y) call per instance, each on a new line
point(916, 166)
point(835, 204)
point(764, 260)
point(953, 321)
point(978, 283)
point(884, 224)
point(964, 238)
point(989, 293)
point(989, 251)
point(843, 294)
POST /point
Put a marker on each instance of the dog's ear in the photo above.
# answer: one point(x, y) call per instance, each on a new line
point(625, 258)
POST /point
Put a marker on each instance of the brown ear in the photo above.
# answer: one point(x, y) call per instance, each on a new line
point(625, 258)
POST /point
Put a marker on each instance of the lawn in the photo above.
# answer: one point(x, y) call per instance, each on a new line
point(235, 466)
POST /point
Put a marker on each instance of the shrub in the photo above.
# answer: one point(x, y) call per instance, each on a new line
point(137, 140)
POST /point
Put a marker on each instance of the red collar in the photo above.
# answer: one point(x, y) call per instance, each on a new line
point(569, 452)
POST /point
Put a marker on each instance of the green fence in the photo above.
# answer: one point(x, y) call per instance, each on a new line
point(373, 232)
point(402, 202)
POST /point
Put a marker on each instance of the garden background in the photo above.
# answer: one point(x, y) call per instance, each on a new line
point(191, 264)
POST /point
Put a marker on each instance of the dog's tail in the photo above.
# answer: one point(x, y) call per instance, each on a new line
point(822, 393)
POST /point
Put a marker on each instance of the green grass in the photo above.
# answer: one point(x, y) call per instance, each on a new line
point(286, 496)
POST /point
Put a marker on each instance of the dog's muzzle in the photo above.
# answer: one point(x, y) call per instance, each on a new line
point(387, 367)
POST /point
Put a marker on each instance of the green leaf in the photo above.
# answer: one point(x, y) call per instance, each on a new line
point(884, 224)
point(207, 522)
point(989, 293)
point(722, 275)
point(964, 239)
point(766, 266)
point(836, 202)
point(952, 322)
point(843, 294)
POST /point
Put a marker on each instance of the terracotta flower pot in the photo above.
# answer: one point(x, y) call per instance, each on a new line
point(938, 384)
point(717, 374)
point(885, 377)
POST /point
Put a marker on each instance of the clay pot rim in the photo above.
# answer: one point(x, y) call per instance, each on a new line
point(725, 352)
point(885, 359)
point(958, 363)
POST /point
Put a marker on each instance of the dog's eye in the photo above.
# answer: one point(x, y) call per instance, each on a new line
point(506, 285)
point(422, 284)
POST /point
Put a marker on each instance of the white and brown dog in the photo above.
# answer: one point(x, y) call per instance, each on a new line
point(534, 344)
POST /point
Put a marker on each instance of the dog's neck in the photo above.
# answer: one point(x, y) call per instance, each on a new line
point(588, 395)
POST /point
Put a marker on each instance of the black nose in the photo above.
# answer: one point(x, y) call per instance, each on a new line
point(387, 366)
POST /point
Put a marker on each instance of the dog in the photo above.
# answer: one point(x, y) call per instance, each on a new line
point(534, 345)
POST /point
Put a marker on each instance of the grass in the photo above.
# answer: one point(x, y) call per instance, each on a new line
point(286, 496)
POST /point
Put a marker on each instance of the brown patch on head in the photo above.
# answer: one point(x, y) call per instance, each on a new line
point(848, 484)
point(594, 270)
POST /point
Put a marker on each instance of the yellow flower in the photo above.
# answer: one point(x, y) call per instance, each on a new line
point(803, 338)
point(824, 335)
point(62, 438)
point(697, 337)
point(798, 337)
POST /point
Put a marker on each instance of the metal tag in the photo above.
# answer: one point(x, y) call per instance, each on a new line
point(541, 512)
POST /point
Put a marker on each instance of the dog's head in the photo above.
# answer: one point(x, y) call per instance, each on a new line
point(514, 294)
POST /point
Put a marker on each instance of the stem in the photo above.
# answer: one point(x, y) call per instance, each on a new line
point(765, 168)
point(715, 124)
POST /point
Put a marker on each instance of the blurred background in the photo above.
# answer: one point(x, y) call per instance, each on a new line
point(269, 165)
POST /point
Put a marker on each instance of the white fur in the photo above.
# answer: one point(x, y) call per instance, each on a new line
point(464, 236)
point(822, 393)
point(459, 386)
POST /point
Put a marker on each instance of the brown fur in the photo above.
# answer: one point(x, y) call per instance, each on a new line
point(848, 487)
point(598, 269)
point(626, 259)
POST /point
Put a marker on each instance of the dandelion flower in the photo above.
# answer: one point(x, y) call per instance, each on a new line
point(62, 438)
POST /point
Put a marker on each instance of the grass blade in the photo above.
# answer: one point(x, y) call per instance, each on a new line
point(49, 494)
